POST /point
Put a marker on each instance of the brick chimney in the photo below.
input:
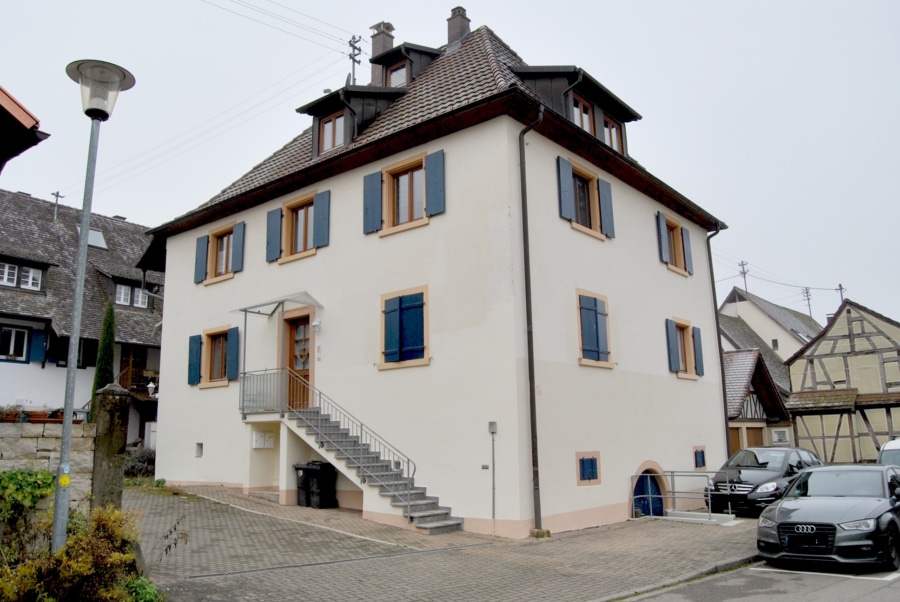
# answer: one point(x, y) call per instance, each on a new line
point(457, 25)
point(382, 40)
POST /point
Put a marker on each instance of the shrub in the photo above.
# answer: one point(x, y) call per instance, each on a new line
point(141, 464)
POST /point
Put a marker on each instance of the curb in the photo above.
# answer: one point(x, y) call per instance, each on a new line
point(719, 567)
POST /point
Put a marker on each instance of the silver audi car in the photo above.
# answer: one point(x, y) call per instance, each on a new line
point(846, 514)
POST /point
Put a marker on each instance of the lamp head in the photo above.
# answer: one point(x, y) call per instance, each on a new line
point(100, 84)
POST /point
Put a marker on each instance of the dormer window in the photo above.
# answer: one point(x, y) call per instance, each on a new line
point(584, 114)
point(24, 277)
point(612, 134)
point(331, 132)
point(396, 75)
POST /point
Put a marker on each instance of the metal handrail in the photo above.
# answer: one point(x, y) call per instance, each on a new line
point(269, 391)
point(673, 494)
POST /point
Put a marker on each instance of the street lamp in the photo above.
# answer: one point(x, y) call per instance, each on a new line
point(100, 84)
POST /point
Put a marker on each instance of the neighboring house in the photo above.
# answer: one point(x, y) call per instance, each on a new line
point(737, 335)
point(375, 270)
point(783, 329)
point(756, 414)
point(38, 253)
point(18, 128)
point(846, 386)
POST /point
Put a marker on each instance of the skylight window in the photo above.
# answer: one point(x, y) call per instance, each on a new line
point(95, 238)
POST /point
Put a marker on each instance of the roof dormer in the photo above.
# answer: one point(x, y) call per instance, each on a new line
point(400, 66)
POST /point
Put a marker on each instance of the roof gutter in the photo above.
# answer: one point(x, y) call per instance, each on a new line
point(532, 397)
point(712, 284)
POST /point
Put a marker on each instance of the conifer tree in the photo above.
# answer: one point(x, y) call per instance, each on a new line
point(105, 353)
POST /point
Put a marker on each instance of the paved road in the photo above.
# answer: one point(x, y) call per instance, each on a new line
point(242, 548)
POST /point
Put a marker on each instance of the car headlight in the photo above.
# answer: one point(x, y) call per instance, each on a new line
point(765, 523)
point(767, 487)
point(859, 525)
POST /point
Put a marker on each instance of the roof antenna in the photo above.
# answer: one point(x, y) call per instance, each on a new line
point(56, 206)
point(355, 51)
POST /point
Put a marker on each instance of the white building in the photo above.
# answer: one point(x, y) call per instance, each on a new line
point(378, 262)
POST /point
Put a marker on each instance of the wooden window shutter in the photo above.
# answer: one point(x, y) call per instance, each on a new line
point(590, 344)
point(232, 353)
point(37, 351)
point(699, 458)
point(273, 235)
point(566, 189)
point(392, 329)
point(237, 247)
point(195, 343)
point(412, 327)
point(672, 344)
point(434, 183)
point(588, 469)
point(663, 235)
point(372, 203)
point(200, 259)
point(698, 350)
point(321, 218)
point(607, 226)
point(688, 261)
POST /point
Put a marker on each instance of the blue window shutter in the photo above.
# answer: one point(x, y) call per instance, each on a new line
point(434, 183)
point(195, 343)
point(412, 327)
point(566, 189)
point(237, 247)
point(688, 262)
point(392, 330)
point(672, 344)
point(663, 235)
point(232, 353)
point(273, 235)
point(582, 466)
point(37, 351)
point(200, 259)
point(602, 336)
point(699, 458)
point(698, 350)
point(588, 469)
point(590, 347)
point(372, 203)
point(321, 218)
point(607, 225)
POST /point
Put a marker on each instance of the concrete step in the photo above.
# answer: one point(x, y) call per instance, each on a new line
point(436, 528)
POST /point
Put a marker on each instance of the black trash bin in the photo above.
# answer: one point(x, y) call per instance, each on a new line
point(316, 484)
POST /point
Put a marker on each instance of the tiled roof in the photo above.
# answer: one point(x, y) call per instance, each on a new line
point(29, 231)
point(743, 337)
point(802, 325)
point(739, 367)
point(478, 69)
point(817, 401)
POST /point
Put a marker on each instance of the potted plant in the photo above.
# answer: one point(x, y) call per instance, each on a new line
point(11, 413)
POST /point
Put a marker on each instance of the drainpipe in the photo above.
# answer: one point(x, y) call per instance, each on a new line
point(532, 405)
point(569, 89)
point(712, 281)
point(352, 112)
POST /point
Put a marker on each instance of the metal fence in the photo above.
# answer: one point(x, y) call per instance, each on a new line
point(689, 489)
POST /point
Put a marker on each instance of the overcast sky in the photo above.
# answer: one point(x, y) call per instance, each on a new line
point(780, 118)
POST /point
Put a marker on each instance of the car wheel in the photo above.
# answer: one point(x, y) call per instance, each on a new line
point(891, 549)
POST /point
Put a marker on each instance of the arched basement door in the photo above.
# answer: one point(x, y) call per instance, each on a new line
point(648, 496)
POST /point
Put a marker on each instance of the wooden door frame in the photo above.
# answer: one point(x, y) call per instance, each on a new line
point(285, 343)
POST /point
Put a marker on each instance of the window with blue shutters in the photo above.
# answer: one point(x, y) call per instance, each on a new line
point(220, 254)
point(214, 357)
point(593, 315)
point(674, 244)
point(585, 200)
point(587, 468)
point(699, 458)
point(404, 195)
point(299, 228)
point(405, 329)
point(684, 348)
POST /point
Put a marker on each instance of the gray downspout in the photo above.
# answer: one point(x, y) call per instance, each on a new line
point(352, 112)
point(569, 89)
point(712, 280)
point(532, 405)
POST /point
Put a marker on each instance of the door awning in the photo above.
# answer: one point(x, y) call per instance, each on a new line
point(267, 308)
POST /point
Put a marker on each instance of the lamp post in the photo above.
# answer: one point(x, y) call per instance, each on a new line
point(100, 84)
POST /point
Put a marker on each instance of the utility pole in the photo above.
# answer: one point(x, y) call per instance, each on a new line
point(744, 272)
point(841, 290)
point(807, 296)
point(56, 207)
point(355, 51)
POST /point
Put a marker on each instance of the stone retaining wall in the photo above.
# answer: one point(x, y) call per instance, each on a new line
point(37, 446)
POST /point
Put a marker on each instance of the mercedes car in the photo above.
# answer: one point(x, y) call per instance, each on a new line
point(839, 514)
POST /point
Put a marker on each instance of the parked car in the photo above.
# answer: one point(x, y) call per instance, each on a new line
point(754, 477)
point(846, 514)
point(890, 453)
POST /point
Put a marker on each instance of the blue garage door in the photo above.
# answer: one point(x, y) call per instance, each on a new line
point(648, 496)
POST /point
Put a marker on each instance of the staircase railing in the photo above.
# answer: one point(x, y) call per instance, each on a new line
point(285, 391)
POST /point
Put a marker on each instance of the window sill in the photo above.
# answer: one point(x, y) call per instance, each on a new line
point(213, 384)
point(221, 278)
point(296, 256)
point(595, 363)
point(687, 376)
point(407, 364)
point(588, 231)
point(422, 221)
point(677, 270)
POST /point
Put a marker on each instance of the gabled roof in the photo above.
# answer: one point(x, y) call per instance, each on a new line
point(822, 402)
point(840, 311)
point(469, 83)
point(742, 336)
point(802, 326)
point(742, 369)
point(28, 231)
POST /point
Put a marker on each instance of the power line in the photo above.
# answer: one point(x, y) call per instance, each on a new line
point(309, 16)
